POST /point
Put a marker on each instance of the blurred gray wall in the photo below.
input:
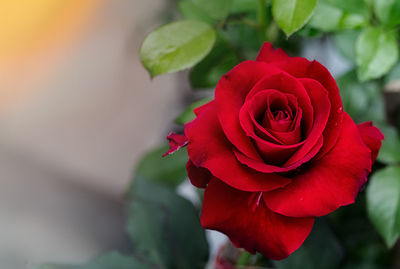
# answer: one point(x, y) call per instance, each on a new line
point(67, 153)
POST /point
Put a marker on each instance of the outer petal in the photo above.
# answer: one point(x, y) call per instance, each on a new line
point(230, 95)
point(250, 224)
point(327, 183)
point(302, 68)
point(209, 148)
point(199, 109)
point(176, 141)
point(198, 176)
point(269, 54)
point(372, 137)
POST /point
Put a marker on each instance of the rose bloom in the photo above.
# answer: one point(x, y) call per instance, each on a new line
point(274, 150)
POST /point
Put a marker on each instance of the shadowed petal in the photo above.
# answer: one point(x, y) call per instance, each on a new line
point(372, 137)
point(250, 224)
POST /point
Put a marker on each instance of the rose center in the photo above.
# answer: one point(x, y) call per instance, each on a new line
point(278, 116)
point(281, 115)
point(275, 117)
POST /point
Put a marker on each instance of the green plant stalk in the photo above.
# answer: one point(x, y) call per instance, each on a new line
point(262, 19)
point(272, 32)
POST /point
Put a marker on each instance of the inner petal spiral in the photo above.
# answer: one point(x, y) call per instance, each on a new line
point(273, 120)
point(279, 113)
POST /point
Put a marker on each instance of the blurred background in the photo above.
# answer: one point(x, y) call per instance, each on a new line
point(77, 109)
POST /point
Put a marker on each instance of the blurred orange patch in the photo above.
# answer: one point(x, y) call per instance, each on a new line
point(33, 35)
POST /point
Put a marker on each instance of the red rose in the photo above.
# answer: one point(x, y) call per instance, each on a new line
point(274, 150)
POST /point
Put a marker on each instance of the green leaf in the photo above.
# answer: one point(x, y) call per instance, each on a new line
point(291, 15)
point(351, 21)
point(188, 114)
point(208, 72)
point(394, 74)
point(335, 15)
point(370, 3)
point(388, 11)
point(165, 227)
point(383, 203)
point(326, 17)
point(345, 43)
point(176, 46)
point(239, 6)
point(192, 12)
point(390, 149)
point(371, 255)
point(111, 260)
point(244, 37)
point(320, 250)
point(351, 6)
point(364, 248)
point(169, 170)
point(308, 31)
point(216, 9)
point(363, 101)
point(376, 52)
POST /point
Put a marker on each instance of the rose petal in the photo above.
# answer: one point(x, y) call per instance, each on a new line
point(301, 152)
point(285, 138)
point(255, 107)
point(250, 224)
point(230, 95)
point(250, 124)
point(278, 114)
point(302, 68)
point(372, 137)
point(267, 53)
point(273, 153)
point(293, 136)
point(329, 182)
point(322, 108)
point(198, 176)
point(286, 83)
point(267, 168)
point(198, 110)
point(209, 148)
point(176, 141)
